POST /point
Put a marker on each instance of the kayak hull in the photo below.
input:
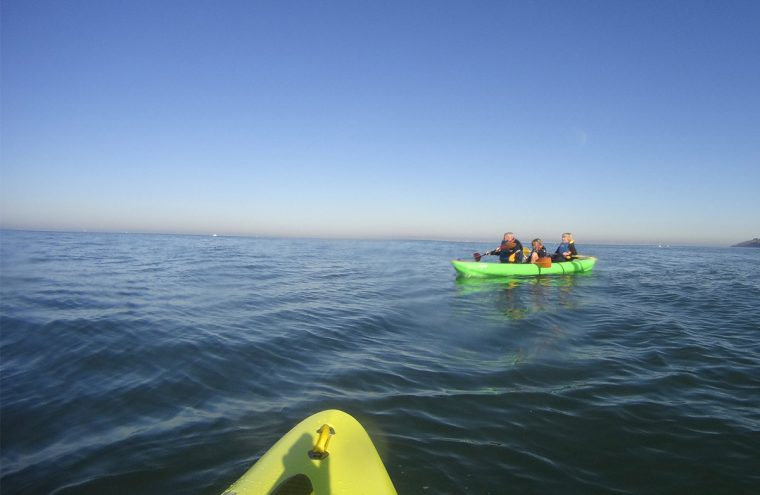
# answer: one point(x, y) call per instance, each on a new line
point(484, 269)
point(352, 464)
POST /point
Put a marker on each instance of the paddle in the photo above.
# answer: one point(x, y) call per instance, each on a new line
point(509, 245)
point(573, 257)
point(477, 256)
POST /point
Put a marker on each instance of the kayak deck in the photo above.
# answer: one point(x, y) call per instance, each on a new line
point(469, 268)
point(328, 453)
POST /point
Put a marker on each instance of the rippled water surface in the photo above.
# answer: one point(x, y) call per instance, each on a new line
point(168, 364)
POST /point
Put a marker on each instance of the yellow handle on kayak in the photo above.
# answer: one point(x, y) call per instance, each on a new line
point(320, 448)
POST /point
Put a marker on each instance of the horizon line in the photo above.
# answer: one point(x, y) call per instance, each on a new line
point(343, 238)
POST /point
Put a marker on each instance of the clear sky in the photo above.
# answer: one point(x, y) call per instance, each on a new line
point(620, 121)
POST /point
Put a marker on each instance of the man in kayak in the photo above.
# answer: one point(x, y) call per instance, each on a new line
point(538, 251)
point(566, 250)
point(510, 250)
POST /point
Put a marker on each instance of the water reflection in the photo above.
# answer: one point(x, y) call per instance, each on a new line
point(521, 320)
point(517, 298)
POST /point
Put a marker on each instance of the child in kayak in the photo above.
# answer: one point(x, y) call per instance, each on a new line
point(538, 251)
point(566, 250)
point(510, 250)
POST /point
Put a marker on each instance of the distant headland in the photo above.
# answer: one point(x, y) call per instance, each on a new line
point(753, 243)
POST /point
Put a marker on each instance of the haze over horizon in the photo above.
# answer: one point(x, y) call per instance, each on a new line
point(620, 122)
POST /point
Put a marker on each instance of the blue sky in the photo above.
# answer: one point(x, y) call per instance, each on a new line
point(621, 121)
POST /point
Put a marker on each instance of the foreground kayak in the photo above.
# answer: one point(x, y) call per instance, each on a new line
point(328, 453)
point(484, 269)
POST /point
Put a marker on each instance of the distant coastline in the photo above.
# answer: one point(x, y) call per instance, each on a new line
point(753, 243)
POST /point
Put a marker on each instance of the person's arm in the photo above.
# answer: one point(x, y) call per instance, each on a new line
point(516, 248)
point(573, 251)
point(504, 247)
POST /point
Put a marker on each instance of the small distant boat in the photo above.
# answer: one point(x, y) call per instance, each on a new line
point(469, 268)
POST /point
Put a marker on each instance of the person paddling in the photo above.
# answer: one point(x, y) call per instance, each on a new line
point(566, 250)
point(538, 251)
point(510, 250)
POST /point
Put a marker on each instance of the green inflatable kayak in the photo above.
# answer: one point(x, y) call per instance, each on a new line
point(485, 269)
point(328, 453)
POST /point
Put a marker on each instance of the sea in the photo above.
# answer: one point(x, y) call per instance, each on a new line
point(168, 364)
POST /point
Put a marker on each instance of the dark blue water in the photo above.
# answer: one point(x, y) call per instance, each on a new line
point(167, 364)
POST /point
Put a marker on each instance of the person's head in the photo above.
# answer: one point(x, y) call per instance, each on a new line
point(509, 236)
point(536, 243)
point(567, 237)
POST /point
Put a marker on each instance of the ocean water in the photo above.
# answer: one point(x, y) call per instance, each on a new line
point(159, 364)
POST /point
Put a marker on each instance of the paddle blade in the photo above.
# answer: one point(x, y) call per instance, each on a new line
point(544, 262)
point(477, 256)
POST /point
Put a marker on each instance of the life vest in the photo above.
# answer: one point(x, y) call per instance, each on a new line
point(518, 255)
point(541, 252)
point(564, 247)
point(515, 256)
